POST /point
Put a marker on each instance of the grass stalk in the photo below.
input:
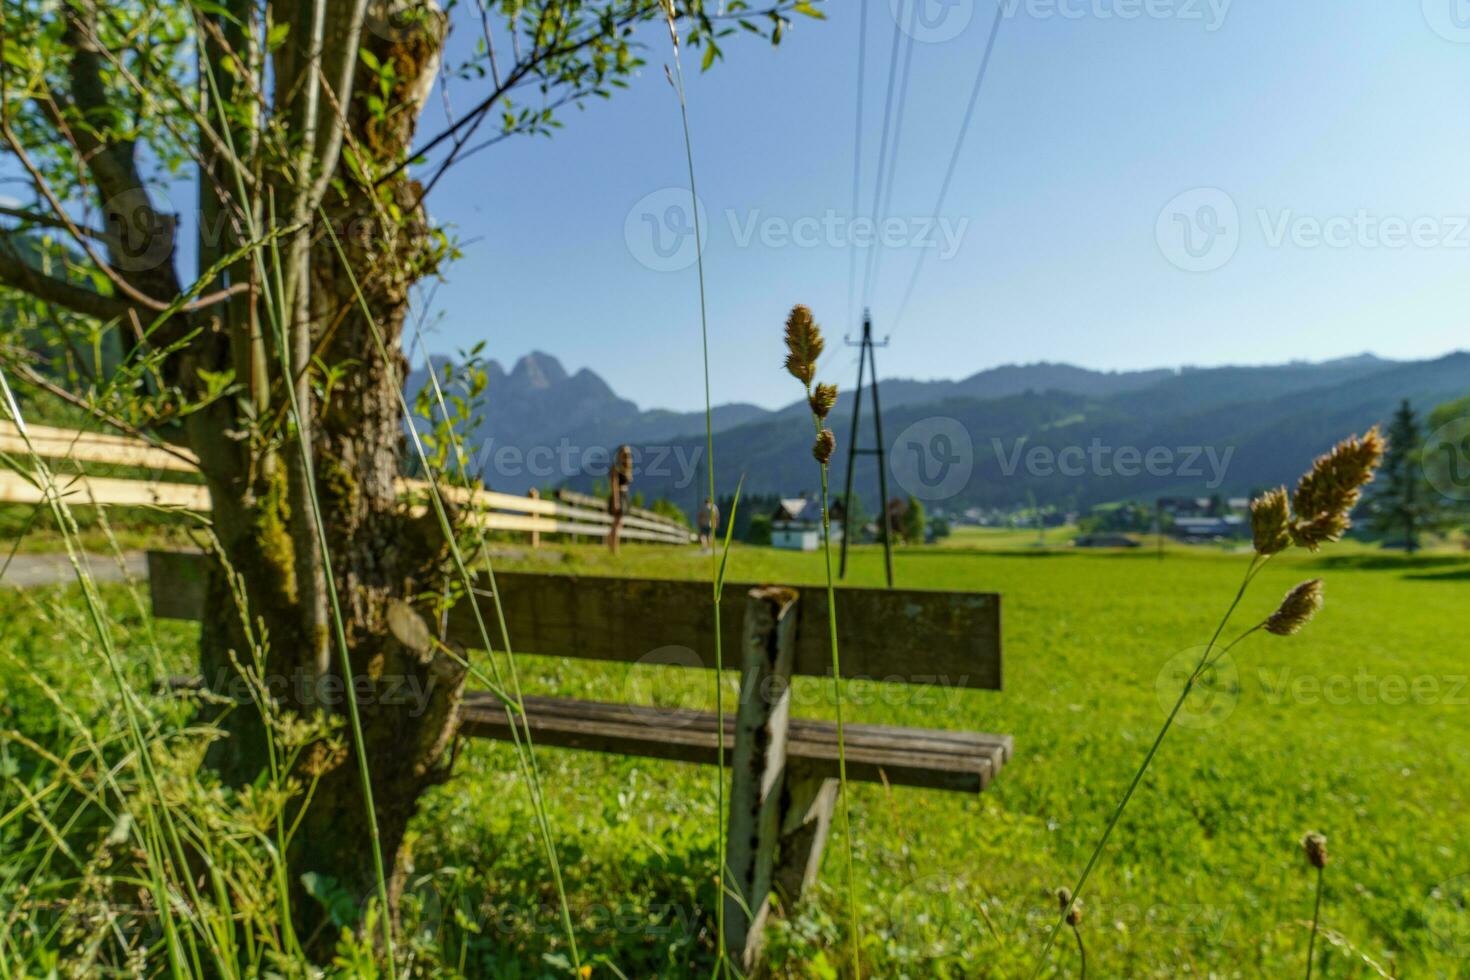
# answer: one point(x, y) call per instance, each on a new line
point(1257, 563)
point(852, 924)
point(514, 700)
point(1316, 923)
point(339, 632)
point(159, 817)
point(804, 346)
point(527, 761)
point(717, 562)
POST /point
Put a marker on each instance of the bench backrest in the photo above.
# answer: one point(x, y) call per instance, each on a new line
point(911, 636)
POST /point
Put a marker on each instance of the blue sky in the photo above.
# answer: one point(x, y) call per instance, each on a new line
point(1335, 131)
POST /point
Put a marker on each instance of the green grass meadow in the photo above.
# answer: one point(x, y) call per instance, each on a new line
point(1358, 728)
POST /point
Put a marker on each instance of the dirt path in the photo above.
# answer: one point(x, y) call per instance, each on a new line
point(26, 571)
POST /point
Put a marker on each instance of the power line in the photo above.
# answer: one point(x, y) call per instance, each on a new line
point(857, 152)
point(883, 136)
point(954, 157)
point(881, 211)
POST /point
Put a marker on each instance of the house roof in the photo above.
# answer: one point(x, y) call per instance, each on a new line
point(798, 509)
point(804, 510)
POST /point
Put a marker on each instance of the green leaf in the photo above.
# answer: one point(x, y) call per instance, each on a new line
point(729, 527)
point(338, 903)
point(277, 36)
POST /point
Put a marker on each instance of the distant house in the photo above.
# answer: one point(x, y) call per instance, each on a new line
point(1210, 528)
point(1186, 506)
point(796, 524)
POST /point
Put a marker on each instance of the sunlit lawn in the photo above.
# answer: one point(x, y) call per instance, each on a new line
point(1359, 728)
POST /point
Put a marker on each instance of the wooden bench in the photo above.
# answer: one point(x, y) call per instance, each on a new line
point(783, 769)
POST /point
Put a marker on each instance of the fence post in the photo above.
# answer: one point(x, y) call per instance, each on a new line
point(535, 494)
point(758, 768)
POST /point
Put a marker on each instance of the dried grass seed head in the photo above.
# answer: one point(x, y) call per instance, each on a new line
point(1270, 522)
point(1314, 845)
point(803, 344)
point(825, 444)
point(822, 398)
point(1327, 493)
point(1296, 610)
point(1073, 909)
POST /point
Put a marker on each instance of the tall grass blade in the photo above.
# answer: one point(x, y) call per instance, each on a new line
point(339, 631)
point(852, 912)
point(521, 730)
point(717, 562)
point(1257, 563)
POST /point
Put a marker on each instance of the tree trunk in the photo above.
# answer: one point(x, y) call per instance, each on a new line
point(381, 556)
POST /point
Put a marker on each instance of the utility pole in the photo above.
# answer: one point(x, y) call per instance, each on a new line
point(865, 357)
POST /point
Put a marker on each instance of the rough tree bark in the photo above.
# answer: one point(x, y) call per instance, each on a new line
point(379, 554)
point(291, 121)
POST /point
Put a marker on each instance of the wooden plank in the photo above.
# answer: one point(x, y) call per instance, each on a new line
point(757, 766)
point(140, 455)
point(933, 741)
point(588, 501)
point(86, 490)
point(947, 639)
point(497, 521)
point(50, 442)
point(492, 500)
point(517, 522)
point(911, 636)
point(874, 753)
point(176, 583)
point(807, 802)
point(95, 438)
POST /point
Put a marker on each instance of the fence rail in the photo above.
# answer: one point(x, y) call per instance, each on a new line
point(569, 514)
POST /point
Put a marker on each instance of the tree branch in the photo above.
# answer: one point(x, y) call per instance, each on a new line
point(517, 74)
point(31, 377)
point(16, 273)
point(526, 68)
point(47, 221)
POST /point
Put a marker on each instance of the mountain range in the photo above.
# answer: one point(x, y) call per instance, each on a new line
point(1056, 433)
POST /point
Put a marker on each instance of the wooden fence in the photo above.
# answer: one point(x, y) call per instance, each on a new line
point(570, 513)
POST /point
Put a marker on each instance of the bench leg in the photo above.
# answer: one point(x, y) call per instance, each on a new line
point(806, 819)
point(758, 767)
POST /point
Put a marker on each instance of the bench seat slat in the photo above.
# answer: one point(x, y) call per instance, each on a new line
point(934, 740)
point(964, 761)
